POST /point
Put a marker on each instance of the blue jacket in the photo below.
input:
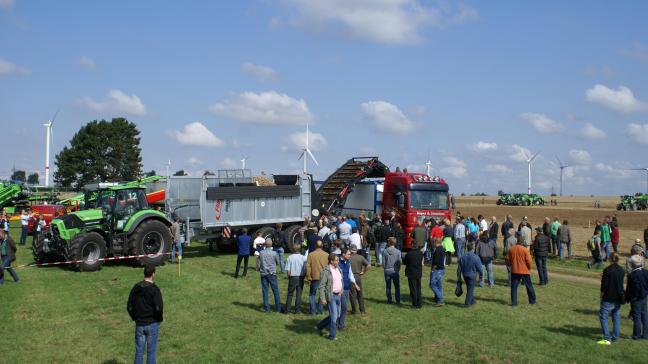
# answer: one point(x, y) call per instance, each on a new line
point(470, 265)
point(637, 288)
point(243, 242)
point(345, 267)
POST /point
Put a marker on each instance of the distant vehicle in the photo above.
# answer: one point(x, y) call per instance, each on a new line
point(631, 203)
point(520, 199)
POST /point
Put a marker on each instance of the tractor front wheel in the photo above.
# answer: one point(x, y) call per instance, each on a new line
point(40, 252)
point(87, 251)
point(153, 239)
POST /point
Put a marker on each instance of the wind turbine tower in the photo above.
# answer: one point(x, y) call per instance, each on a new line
point(562, 167)
point(643, 169)
point(529, 161)
point(245, 158)
point(428, 165)
point(306, 152)
point(48, 141)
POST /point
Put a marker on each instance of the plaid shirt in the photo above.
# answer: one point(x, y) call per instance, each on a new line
point(460, 231)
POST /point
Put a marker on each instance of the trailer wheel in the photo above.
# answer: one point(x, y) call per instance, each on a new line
point(267, 232)
point(89, 250)
point(151, 237)
point(292, 234)
point(226, 245)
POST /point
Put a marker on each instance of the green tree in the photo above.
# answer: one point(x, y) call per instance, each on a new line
point(150, 173)
point(33, 178)
point(101, 151)
point(209, 173)
point(19, 176)
point(180, 173)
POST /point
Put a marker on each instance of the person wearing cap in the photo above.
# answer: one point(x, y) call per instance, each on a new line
point(636, 294)
point(541, 246)
point(612, 297)
point(268, 262)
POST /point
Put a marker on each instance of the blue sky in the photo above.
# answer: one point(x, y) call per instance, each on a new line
point(477, 84)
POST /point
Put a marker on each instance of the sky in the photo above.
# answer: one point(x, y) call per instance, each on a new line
point(474, 85)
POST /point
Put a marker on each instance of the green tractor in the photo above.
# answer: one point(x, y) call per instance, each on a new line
point(505, 199)
point(117, 221)
point(637, 202)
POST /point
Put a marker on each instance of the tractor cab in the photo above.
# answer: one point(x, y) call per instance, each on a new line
point(118, 203)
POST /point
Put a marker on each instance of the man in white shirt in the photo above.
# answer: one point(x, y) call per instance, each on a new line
point(324, 231)
point(483, 225)
point(344, 230)
point(355, 240)
point(24, 221)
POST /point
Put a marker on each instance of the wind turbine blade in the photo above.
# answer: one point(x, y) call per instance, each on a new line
point(51, 122)
point(312, 156)
point(301, 155)
point(534, 156)
point(526, 155)
point(560, 163)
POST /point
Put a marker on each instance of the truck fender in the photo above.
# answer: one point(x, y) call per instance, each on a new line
point(142, 218)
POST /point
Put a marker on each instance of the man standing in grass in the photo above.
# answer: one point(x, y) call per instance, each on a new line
point(612, 298)
point(555, 239)
point(413, 262)
point(145, 307)
point(606, 237)
point(330, 291)
point(564, 235)
point(359, 266)
point(540, 251)
point(469, 267)
point(519, 259)
point(8, 255)
point(436, 275)
point(348, 282)
point(637, 295)
point(315, 262)
point(243, 242)
point(268, 262)
point(296, 270)
point(392, 259)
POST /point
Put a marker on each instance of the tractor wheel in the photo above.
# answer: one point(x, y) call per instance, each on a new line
point(39, 253)
point(499, 202)
point(633, 207)
point(88, 250)
point(151, 238)
point(292, 234)
point(526, 203)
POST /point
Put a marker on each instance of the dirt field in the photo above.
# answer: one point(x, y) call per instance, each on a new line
point(579, 211)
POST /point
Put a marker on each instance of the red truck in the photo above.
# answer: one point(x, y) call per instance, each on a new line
point(414, 197)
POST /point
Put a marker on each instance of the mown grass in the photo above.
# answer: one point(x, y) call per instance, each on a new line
point(57, 315)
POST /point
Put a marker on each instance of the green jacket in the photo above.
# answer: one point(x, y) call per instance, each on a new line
point(605, 233)
point(554, 228)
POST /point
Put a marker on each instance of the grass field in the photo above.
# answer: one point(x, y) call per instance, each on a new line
point(60, 316)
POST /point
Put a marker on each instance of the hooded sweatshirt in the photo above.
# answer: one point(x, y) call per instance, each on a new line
point(392, 260)
point(145, 304)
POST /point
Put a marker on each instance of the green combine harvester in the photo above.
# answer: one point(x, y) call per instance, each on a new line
point(521, 199)
point(11, 194)
point(633, 203)
point(116, 222)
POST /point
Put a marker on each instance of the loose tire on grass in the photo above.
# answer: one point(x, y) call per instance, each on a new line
point(89, 249)
point(151, 237)
point(292, 234)
point(38, 251)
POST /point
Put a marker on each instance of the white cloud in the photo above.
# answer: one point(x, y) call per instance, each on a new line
point(497, 168)
point(483, 146)
point(228, 162)
point(6, 4)
point(9, 68)
point(117, 102)
point(638, 132)
point(580, 156)
point(610, 171)
point(591, 132)
point(268, 107)
point(456, 167)
point(261, 73)
point(542, 123)
point(197, 134)
point(520, 153)
point(381, 21)
point(193, 161)
point(622, 99)
point(316, 141)
point(87, 63)
point(387, 117)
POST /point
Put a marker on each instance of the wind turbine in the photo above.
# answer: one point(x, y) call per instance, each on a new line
point(48, 139)
point(428, 165)
point(245, 158)
point(642, 169)
point(562, 167)
point(529, 160)
point(306, 151)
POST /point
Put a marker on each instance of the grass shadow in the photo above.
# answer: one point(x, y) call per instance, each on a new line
point(252, 306)
point(304, 326)
point(494, 300)
point(229, 274)
point(585, 311)
point(111, 361)
point(579, 331)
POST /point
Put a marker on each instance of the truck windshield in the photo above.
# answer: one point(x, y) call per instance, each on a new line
point(428, 200)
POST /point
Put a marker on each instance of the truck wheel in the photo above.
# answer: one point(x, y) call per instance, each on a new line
point(226, 245)
point(151, 238)
point(40, 256)
point(266, 232)
point(292, 234)
point(89, 250)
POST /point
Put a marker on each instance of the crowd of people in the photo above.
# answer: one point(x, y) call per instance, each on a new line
point(334, 254)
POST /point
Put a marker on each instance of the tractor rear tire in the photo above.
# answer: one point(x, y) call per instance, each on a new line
point(292, 234)
point(151, 238)
point(88, 250)
point(38, 251)
point(499, 202)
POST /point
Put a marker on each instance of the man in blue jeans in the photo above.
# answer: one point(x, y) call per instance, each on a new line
point(612, 297)
point(268, 262)
point(637, 295)
point(469, 266)
point(330, 291)
point(8, 247)
point(392, 260)
point(438, 270)
point(280, 241)
point(145, 307)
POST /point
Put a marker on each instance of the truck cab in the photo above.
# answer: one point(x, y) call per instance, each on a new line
point(414, 197)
